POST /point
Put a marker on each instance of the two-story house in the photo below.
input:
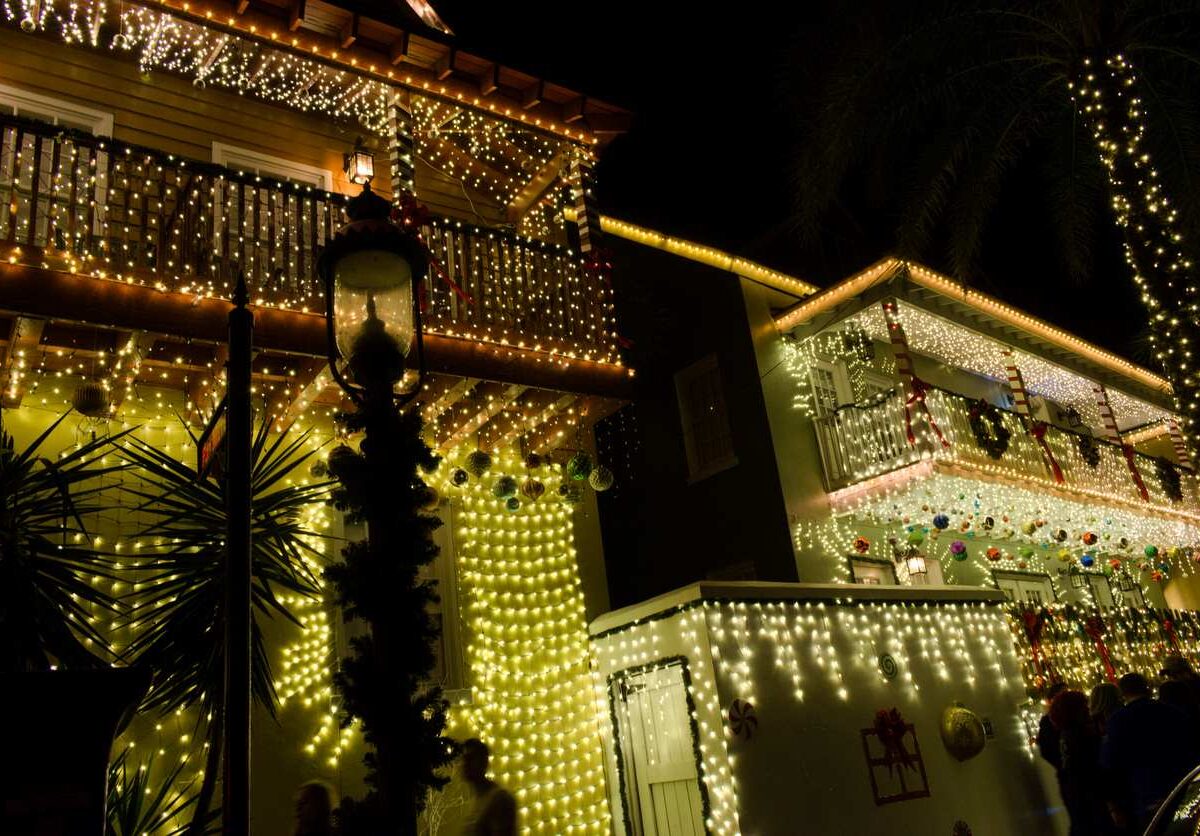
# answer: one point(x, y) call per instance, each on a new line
point(148, 151)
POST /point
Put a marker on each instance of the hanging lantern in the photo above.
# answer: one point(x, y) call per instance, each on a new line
point(90, 399)
point(505, 488)
point(532, 489)
point(601, 478)
point(479, 462)
point(579, 466)
point(459, 477)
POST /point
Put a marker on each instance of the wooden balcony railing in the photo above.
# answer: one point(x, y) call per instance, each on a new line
point(859, 442)
point(82, 203)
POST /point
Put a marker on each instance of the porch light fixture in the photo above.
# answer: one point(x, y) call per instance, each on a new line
point(369, 269)
point(359, 164)
point(918, 572)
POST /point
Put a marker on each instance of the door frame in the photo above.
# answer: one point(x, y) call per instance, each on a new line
point(615, 681)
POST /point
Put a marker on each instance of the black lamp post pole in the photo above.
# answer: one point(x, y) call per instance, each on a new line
point(238, 439)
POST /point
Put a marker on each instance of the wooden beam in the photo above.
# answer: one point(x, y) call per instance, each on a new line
point(41, 292)
point(541, 182)
point(531, 97)
point(573, 110)
point(486, 400)
point(311, 378)
point(240, 6)
point(131, 349)
point(444, 395)
point(23, 341)
point(531, 411)
point(398, 49)
point(561, 429)
point(295, 15)
point(443, 68)
point(200, 390)
point(350, 31)
point(489, 81)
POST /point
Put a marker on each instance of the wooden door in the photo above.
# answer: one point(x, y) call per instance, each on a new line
point(659, 755)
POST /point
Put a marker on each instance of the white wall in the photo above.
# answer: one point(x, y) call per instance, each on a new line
point(804, 770)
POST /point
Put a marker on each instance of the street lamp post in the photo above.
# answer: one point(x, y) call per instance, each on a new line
point(371, 269)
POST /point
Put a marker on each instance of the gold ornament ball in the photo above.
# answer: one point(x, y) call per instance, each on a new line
point(962, 732)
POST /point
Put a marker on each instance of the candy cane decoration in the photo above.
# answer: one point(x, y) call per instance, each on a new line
point(1108, 422)
point(1182, 454)
point(914, 388)
point(1036, 429)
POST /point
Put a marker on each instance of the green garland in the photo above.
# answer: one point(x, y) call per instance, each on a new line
point(1168, 477)
point(1089, 450)
point(993, 440)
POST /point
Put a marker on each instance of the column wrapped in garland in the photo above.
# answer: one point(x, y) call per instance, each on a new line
point(1108, 423)
point(1035, 428)
point(915, 389)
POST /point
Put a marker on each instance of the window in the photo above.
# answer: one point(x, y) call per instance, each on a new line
point(17, 102)
point(1102, 592)
point(706, 434)
point(874, 572)
point(1025, 587)
point(254, 162)
point(1128, 592)
point(824, 380)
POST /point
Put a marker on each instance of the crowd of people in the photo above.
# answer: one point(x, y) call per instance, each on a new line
point(1119, 751)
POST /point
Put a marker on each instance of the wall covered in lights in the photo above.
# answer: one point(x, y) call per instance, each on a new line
point(784, 679)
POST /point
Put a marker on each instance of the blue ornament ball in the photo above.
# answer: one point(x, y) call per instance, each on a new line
point(1088, 560)
point(941, 521)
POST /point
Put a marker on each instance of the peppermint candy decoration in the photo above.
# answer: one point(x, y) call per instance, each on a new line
point(742, 719)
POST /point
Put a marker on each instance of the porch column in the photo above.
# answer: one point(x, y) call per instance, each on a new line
point(587, 218)
point(400, 144)
point(914, 387)
point(1108, 423)
point(1180, 444)
point(1036, 429)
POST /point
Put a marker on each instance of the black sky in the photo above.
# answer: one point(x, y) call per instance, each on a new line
point(709, 152)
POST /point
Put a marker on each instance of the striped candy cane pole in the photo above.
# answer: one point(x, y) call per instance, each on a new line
point(1108, 423)
point(1182, 454)
point(1036, 429)
point(914, 387)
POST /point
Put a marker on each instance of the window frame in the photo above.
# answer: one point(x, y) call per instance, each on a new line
point(1019, 576)
point(62, 112)
point(697, 470)
point(268, 165)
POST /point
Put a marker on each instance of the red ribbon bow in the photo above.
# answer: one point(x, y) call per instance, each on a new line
point(1038, 430)
point(890, 728)
point(1127, 449)
point(917, 401)
point(1094, 627)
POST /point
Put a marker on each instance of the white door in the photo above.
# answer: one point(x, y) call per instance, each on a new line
point(663, 788)
point(1102, 594)
point(1026, 587)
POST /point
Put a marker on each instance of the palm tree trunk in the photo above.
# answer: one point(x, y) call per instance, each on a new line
point(1105, 93)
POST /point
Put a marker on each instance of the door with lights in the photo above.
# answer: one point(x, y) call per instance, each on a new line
point(662, 791)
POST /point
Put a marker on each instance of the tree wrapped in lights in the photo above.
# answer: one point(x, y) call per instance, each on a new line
point(383, 684)
point(1071, 99)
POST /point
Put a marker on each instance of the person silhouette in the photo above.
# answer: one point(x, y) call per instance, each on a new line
point(494, 811)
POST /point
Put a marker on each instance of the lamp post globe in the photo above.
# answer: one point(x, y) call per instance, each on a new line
point(370, 268)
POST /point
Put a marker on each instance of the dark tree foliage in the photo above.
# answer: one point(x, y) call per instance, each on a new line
point(384, 684)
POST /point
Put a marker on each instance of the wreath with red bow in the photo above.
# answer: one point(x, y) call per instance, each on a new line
point(987, 425)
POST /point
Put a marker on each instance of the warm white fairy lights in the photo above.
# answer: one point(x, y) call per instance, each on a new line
point(528, 653)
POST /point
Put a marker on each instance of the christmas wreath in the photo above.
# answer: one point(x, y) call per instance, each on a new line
point(988, 426)
point(1168, 477)
point(1089, 450)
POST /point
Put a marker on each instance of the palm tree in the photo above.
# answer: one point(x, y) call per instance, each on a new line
point(1090, 104)
point(181, 617)
point(48, 559)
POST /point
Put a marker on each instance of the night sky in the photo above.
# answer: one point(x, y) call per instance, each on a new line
point(708, 155)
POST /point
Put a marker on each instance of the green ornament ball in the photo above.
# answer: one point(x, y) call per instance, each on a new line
point(916, 538)
point(479, 463)
point(1151, 551)
point(505, 488)
point(601, 478)
point(571, 493)
point(513, 504)
point(579, 466)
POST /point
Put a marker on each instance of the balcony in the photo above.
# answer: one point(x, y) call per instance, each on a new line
point(86, 205)
point(859, 443)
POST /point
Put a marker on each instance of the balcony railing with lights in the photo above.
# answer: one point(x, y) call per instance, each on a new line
point(861, 442)
point(85, 204)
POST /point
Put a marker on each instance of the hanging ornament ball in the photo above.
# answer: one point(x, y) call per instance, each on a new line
point(941, 521)
point(459, 476)
point(1029, 527)
point(988, 523)
point(962, 732)
point(571, 493)
point(935, 533)
point(1089, 538)
point(1060, 535)
point(1114, 564)
point(1064, 555)
point(1123, 543)
point(479, 463)
point(1039, 523)
point(1158, 577)
point(601, 478)
point(1164, 567)
point(28, 24)
point(512, 503)
point(1174, 553)
point(959, 549)
point(579, 466)
point(1151, 551)
point(1021, 564)
point(90, 399)
point(916, 538)
point(861, 544)
point(505, 487)
point(340, 457)
point(1087, 560)
point(1025, 551)
point(993, 553)
point(532, 489)
point(1143, 566)
point(533, 461)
